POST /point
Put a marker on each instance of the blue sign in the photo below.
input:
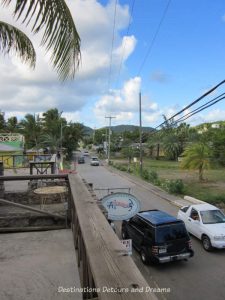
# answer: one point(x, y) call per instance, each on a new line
point(121, 206)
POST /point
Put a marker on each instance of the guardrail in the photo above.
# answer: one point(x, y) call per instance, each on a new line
point(106, 271)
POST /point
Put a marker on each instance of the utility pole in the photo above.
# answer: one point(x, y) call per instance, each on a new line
point(110, 119)
point(140, 132)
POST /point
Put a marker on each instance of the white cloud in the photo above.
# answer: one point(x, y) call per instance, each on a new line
point(124, 105)
point(26, 91)
point(213, 115)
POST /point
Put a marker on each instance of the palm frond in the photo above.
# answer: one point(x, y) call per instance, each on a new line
point(60, 34)
point(12, 39)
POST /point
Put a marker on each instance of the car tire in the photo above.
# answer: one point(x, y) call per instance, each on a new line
point(206, 243)
point(144, 256)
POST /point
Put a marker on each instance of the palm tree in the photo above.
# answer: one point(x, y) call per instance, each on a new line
point(74, 132)
point(197, 157)
point(52, 122)
point(51, 141)
point(12, 124)
point(60, 35)
point(31, 128)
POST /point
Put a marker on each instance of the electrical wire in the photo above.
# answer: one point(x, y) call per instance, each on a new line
point(113, 38)
point(154, 37)
point(193, 103)
point(199, 109)
point(123, 50)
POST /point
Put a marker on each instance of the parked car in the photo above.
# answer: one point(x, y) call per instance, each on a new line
point(158, 236)
point(206, 222)
point(81, 160)
point(94, 161)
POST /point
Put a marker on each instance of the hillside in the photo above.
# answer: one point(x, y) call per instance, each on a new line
point(122, 128)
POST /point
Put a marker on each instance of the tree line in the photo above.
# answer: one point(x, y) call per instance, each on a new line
point(50, 131)
point(197, 147)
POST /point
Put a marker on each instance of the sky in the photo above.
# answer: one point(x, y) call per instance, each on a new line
point(172, 51)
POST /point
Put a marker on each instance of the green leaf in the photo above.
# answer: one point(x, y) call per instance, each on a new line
point(12, 38)
point(60, 34)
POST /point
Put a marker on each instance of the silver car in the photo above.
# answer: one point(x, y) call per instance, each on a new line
point(94, 161)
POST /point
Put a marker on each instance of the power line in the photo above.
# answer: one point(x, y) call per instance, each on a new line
point(113, 38)
point(194, 102)
point(128, 30)
point(201, 108)
point(195, 111)
point(154, 37)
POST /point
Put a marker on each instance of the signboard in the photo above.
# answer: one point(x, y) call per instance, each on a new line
point(128, 246)
point(121, 206)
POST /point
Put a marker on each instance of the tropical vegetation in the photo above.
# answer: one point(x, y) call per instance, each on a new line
point(51, 131)
point(59, 36)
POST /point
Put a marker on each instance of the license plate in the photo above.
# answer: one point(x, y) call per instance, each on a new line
point(162, 251)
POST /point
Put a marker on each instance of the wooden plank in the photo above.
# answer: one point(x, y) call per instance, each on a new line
point(44, 212)
point(30, 228)
point(29, 177)
point(111, 268)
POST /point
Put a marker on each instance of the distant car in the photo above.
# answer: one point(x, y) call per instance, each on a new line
point(206, 222)
point(86, 153)
point(94, 161)
point(81, 160)
point(158, 236)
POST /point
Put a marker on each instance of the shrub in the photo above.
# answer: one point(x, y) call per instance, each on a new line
point(173, 186)
point(153, 176)
point(145, 174)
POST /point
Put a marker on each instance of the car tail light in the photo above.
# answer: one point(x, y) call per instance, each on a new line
point(155, 250)
point(189, 244)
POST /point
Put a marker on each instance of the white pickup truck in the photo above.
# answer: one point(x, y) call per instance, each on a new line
point(206, 222)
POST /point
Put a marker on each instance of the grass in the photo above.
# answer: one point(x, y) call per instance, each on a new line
point(211, 190)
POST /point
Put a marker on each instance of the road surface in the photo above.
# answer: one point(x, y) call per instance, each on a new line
point(202, 277)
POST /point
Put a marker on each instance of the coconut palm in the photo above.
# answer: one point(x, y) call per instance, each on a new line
point(51, 141)
point(30, 127)
point(60, 35)
point(73, 133)
point(52, 122)
point(197, 157)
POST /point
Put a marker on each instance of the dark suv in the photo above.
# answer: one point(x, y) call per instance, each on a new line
point(158, 236)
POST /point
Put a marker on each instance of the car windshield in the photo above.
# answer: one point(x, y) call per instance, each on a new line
point(170, 232)
point(94, 158)
point(212, 216)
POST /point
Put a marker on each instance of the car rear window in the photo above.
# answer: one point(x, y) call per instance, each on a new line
point(170, 232)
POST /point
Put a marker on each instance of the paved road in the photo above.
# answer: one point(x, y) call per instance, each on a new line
point(202, 277)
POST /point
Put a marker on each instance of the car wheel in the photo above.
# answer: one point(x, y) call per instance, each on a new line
point(144, 256)
point(206, 243)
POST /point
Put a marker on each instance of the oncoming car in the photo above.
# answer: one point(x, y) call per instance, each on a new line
point(206, 222)
point(94, 161)
point(158, 236)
